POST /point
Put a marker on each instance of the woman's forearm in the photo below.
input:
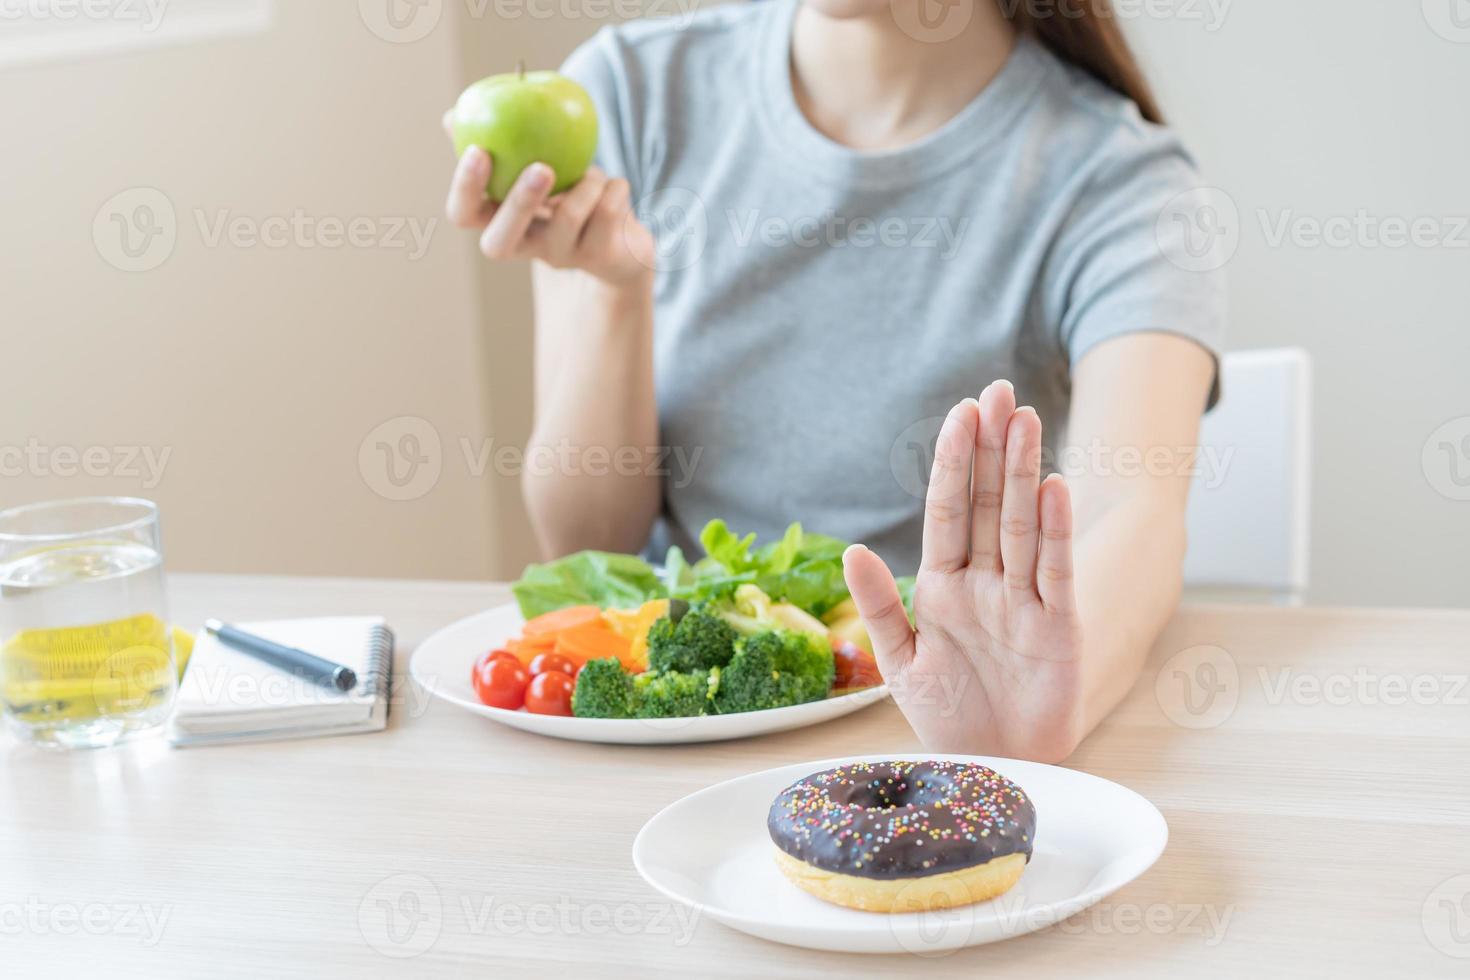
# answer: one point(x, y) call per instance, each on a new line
point(1129, 560)
point(1137, 396)
point(590, 480)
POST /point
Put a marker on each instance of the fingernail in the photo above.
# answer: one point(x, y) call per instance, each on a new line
point(1026, 408)
point(853, 549)
point(540, 176)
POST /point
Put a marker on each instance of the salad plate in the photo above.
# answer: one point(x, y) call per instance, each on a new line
point(711, 851)
point(442, 665)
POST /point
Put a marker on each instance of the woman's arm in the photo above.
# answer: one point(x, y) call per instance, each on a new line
point(590, 480)
point(1134, 425)
point(1029, 625)
point(588, 477)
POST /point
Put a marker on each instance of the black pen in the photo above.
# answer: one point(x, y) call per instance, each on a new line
point(298, 662)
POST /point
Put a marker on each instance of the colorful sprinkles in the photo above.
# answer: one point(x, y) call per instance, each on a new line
point(902, 819)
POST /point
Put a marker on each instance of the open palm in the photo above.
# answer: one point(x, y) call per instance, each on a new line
point(993, 661)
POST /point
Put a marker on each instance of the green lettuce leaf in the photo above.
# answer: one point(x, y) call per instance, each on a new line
point(820, 547)
point(800, 568)
point(803, 569)
point(723, 546)
point(815, 586)
point(678, 573)
point(777, 557)
point(596, 578)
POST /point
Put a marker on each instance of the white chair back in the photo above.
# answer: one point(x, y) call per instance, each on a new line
point(1249, 508)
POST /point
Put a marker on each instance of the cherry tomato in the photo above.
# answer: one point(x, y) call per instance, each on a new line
point(550, 693)
point(855, 667)
point(543, 662)
point(501, 683)
point(489, 655)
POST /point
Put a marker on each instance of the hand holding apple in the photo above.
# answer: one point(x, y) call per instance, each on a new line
point(591, 227)
point(524, 118)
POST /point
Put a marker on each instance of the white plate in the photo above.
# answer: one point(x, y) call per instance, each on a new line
point(442, 665)
point(711, 851)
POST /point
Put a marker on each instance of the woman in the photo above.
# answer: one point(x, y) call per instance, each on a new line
point(879, 214)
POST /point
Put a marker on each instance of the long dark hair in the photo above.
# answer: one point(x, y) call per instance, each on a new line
point(1085, 33)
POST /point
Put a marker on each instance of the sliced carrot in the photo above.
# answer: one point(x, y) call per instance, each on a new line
point(584, 643)
point(579, 633)
point(563, 619)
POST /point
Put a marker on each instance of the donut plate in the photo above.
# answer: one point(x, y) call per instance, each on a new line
point(442, 665)
point(711, 851)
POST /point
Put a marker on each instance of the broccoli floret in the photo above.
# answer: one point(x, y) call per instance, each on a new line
point(604, 690)
point(697, 641)
point(772, 670)
point(672, 694)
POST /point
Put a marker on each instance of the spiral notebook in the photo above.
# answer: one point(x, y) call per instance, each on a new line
point(228, 696)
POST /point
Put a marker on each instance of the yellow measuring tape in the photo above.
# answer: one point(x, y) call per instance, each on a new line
point(80, 672)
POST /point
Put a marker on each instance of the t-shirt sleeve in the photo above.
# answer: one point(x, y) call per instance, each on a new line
point(1142, 251)
point(597, 67)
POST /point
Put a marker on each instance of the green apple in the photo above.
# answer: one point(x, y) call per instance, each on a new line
point(524, 118)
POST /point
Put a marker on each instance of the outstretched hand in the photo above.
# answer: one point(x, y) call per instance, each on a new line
point(993, 661)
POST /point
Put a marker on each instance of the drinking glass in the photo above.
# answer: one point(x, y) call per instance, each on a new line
point(87, 659)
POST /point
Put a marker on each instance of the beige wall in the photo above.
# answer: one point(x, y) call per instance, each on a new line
point(258, 370)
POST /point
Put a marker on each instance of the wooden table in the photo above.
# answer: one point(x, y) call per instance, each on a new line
point(1316, 780)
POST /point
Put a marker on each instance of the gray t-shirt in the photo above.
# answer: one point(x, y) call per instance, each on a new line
point(819, 309)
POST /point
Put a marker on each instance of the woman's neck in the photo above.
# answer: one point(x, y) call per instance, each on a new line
point(867, 83)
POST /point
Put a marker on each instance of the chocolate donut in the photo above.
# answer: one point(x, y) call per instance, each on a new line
point(901, 836)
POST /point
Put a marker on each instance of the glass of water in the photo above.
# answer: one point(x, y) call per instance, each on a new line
point(87, 658)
